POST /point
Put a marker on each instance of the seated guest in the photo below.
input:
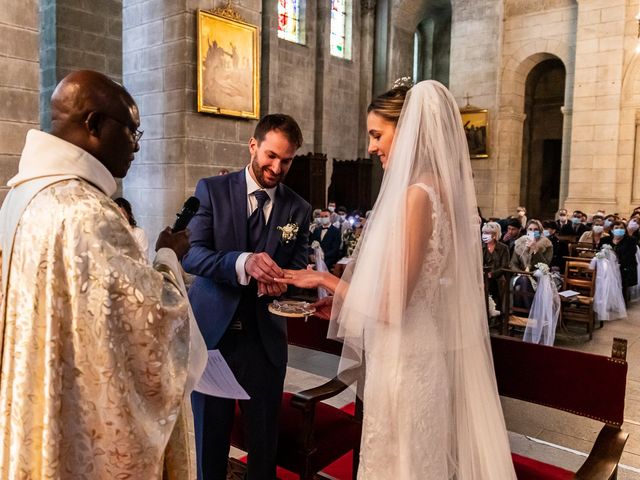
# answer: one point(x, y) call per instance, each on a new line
point(632, 227)
point(512, 234)
point(495, 256)
point(560, 247)
point(625, 248)
point(594, 235)
point(528, 251)
point(608, 223)
point(521, 214)
point(576, 227)
point(329, 238)
point(561, 218)
point(315, 219)
point(532, 248)
point(138, 233)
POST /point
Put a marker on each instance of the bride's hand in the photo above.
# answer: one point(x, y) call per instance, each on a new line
point(301, 278)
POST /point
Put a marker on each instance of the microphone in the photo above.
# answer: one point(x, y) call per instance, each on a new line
point(189, 209)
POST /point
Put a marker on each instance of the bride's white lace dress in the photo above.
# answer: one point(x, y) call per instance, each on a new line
point(406, 393)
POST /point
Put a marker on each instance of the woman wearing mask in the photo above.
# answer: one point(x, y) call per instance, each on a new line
point(529, 250)
point(625, 248)
point(596, 233)
point(495, 256)
point(633, 226)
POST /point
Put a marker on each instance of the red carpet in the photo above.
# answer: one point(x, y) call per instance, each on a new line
point(340, 469)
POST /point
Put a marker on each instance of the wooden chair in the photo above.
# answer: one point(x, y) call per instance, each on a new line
point(582, 250)
point(313, 434)
point(514, 318)
point(584, 384)
point(580, 278)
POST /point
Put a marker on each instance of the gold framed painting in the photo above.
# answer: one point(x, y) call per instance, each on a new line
point(228, 65)
point(476, 128)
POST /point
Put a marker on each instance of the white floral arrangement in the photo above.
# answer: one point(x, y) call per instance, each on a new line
point(603, 252)
point(542, 268)
point(315, 244)
point(289, 232)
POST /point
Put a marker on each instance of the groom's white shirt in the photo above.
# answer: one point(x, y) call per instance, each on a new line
point(252, 204)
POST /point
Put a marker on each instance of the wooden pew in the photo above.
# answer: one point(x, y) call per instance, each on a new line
point(583, 384)
point(313, 434)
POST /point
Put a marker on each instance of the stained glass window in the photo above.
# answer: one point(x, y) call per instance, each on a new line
point(289, 21)
point(340, 28)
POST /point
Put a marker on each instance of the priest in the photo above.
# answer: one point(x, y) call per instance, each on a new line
point(98, 350)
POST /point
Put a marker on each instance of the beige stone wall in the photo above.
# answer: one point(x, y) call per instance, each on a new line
point(19, 81)
point(531, 35)
point(596, 109)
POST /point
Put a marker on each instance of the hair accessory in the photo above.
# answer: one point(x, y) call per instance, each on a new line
point(403, 82)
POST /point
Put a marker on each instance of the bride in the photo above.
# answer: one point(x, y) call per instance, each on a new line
point(411, 306)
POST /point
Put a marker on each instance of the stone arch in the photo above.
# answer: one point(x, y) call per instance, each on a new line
point(518, 66)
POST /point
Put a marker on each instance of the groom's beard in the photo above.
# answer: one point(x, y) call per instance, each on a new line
point(259, 173)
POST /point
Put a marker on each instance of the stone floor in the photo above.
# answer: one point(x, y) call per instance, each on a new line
point(538, 432)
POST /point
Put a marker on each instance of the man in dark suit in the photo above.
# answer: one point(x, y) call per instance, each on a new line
point(241, 238)
point(576, 227)
point(329, 238)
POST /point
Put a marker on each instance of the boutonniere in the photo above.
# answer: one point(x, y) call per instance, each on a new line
point(289, 232)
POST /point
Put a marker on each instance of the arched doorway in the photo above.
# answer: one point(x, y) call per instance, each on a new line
point(542, 139)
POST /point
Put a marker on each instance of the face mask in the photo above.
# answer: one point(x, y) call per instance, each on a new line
point(331, 209)
point(563, 218)
point(486, 237)
point(575, 220)
point(520, 213)
point(633, 225)
point(343, 217)
point(325, 220)
point(618, 232)
point(608, 223)
point(598, 229)
point(535, 234)
point(546, 233)
point(317, 220)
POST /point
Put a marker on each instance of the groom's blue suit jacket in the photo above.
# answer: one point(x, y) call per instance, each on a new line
point(219, 236)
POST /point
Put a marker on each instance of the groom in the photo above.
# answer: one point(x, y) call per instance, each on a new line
point(236, 251)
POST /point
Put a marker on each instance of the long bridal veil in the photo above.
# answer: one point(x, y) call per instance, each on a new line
point(376, 292)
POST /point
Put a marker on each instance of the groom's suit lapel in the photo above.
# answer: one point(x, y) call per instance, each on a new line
point(238, 202)
point(279, 218)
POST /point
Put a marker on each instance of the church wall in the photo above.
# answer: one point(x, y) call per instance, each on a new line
point(596, 109)
point(19, 81)
point(179, 146)
point(531, 34)
point(476, 38)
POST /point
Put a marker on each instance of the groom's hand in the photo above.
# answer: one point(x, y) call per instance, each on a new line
point(262, 267)
point(271, 289)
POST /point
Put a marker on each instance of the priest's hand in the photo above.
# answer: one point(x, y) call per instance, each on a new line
point(178, 242)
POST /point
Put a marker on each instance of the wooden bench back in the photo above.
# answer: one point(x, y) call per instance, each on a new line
point(581, 383)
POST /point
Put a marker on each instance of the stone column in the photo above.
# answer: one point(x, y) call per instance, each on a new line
point(508, 163)
point(565, 167)
point(19, 81)
point(596, 108)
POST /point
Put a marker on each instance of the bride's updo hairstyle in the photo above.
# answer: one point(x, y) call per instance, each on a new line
point(389, 104)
